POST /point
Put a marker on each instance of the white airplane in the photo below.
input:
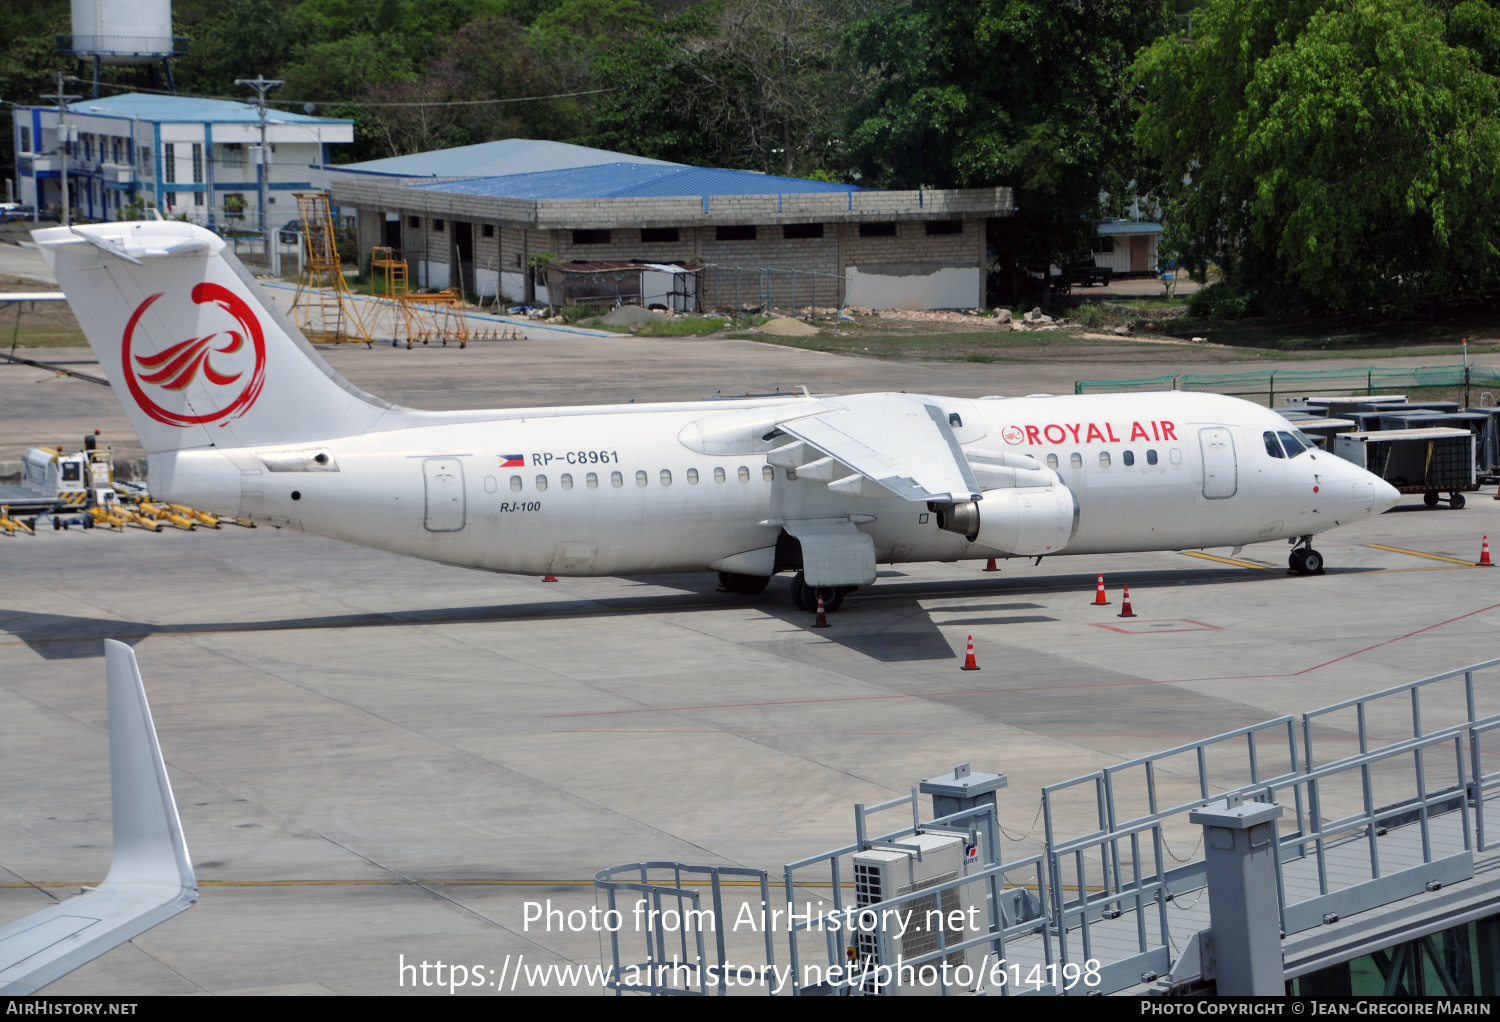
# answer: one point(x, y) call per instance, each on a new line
point(239, 414)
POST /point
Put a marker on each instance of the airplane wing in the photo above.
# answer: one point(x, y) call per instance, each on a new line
point(32, 296)
point(150, 876)
point(898, 441)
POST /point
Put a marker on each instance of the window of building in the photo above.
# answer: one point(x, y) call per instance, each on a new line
point(718, 475)
point(169, 162)
point(516, 484)
point(1104, 459)
point(198, 164)
point(171, 198)
point(25, 139)
point(146, 168)
point(658, 234)
point(487, 231)
point(945, 227)
point(640, 477)
point(766, 473)
point(114, 150)
point(1102, 245)
point(439, 226)
point(414, 222)
point(735, 232)
point(880, 229)
point(616, 480)
point(567, 481)
point(591, 237)
point(692, 477)
point(744, 474)
point(591, 481)
point(232, 155)
point(197, 198)
point(796, 231)
point(1129, 458)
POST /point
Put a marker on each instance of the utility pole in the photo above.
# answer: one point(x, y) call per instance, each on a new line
point(62, 145)
point(262, 85)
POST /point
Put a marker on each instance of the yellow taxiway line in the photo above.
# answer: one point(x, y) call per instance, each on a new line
point(1227, 560)
point(1418, 553)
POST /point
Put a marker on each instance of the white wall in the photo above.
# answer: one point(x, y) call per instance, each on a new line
point(952, 287)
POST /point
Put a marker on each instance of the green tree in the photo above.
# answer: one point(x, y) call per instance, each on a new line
point(1033, 94)
point(1342, 148)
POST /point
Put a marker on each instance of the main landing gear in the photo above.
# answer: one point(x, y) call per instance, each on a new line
point(745, 585)
point(1305, 560)
point(806, 597)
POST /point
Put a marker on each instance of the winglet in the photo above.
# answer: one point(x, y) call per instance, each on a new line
point(150, 876)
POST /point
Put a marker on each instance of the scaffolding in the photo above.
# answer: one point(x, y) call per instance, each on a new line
point(324, 309)
point(423, 316)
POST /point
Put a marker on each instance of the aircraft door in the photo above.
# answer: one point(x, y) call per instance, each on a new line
point(1220, 472)
point(443, 480)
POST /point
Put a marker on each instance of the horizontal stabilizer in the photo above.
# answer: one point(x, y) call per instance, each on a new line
point(150, 876)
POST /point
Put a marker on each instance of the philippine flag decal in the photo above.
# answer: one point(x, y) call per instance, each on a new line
point(512, 461)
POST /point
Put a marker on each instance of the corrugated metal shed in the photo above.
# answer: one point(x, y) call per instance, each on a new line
point(185, 109)
point(505, 156)
point(630, 180)
point(1130, 227)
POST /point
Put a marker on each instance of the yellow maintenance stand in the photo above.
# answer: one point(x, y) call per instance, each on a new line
point(324, 309)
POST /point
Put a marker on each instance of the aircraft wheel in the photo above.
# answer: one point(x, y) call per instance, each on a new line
point(1431, 498)
point(1456, 501)
point(747, 585)
point(1295, 561)
point(800, 593)
point(1312, 562)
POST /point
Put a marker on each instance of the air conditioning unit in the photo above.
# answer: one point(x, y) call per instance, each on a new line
point(903, 867)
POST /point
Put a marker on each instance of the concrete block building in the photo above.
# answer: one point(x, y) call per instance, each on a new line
point(759, 239)
point(193, 156)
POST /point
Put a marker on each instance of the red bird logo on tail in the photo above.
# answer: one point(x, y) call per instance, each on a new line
point(176, 367)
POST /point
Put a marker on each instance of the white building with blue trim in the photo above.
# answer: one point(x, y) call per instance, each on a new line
point(184, 155)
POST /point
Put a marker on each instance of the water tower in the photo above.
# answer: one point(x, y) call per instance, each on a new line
point(123, 32)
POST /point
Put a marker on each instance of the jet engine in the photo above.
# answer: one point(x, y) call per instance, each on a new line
point(1026, 511)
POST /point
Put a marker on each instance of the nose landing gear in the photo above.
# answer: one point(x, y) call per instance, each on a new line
point(1304, 560)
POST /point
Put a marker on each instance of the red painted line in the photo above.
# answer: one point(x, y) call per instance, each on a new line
point(1004, 691)
point(1199, 626)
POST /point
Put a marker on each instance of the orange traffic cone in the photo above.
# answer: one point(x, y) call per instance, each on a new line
point(1484, 555)
point(970, 664)
point(991, 566)
point(1127, 612)
point(550, 578)
point(1099, 600)
point(822, 619)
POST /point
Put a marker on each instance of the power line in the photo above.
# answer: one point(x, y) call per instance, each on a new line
point(363, 103)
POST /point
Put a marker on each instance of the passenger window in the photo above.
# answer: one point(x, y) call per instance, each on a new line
point(567, 481)
point(1175, 455)
point(767, 474)
point(666, 477)
point(516, 484)
point(616, 480)
point(1051, 461)
point(1104, 459)
point(744, 474)
point(718, 475)
point(1076, 460)
point(591, 481)
point(640, 477)
point(1272, 447)
point(1292, 444)
point(1151, 457)
point(490, 486)
point(692, 477)
point(541, 482)
point(1129, 458)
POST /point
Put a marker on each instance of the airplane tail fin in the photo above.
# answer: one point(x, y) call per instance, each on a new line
point(195, 349)
point(150, 877)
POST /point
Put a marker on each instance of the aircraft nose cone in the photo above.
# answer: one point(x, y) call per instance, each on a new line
point(1386, 496)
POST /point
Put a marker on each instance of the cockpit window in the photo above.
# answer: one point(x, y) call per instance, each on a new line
point(1293, 446)
point(1272, 447)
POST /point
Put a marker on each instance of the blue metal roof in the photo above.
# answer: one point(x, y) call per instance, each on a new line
point(632, 180)
point(186, 109)
point(491, 159)
point(1130, 227)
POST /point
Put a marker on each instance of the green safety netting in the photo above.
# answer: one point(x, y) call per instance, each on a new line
point(1272, 381)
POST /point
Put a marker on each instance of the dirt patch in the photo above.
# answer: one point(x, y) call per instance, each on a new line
point(781, 326)
point(633, 315)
